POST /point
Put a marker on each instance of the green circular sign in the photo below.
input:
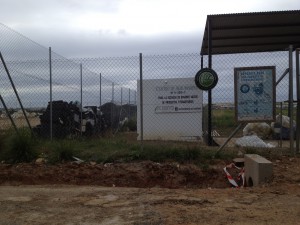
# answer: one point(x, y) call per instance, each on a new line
point(206, 79)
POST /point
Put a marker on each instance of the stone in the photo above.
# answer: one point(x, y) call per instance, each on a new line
point(39, 160)
point(258, 170)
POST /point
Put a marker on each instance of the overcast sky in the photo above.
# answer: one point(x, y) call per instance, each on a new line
point(99, 28)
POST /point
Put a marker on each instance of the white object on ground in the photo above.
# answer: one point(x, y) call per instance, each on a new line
point(252, 141)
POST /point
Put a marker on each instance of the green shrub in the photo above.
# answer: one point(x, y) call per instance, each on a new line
point(62, 151)
point(20, 147)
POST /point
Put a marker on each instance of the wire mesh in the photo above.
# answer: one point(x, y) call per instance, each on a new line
point(98, 95)
point(223, 110)
point(172, 104)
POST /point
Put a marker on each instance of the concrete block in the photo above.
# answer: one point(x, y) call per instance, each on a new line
point(258, 170)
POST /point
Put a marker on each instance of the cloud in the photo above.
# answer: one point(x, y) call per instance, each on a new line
point(105, 45)
point(77, 28)
point(112, 28)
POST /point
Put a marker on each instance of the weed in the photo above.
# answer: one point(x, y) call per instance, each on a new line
point(224, 118)
point(20, 147)
point(120, 149)
point(62, 151)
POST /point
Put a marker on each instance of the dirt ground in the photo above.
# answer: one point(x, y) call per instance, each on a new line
point(145, 193)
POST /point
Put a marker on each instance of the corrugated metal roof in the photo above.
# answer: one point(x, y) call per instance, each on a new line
point(252, 32)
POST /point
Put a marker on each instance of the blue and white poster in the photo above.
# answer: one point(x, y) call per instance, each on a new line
point(255, 93)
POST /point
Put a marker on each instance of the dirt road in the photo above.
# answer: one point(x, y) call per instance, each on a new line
point(275, 203)
point(111, 205)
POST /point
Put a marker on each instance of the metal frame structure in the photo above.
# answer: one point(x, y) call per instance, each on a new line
point(298, 100)
point(250, 33)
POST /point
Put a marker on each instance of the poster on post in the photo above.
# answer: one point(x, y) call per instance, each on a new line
point(255, 94)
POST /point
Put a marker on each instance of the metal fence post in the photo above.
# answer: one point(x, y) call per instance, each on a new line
point(112, 92)
point(50, 104)
point(100, 99)
point(298, 101)
point(141, 100)
point(291, 98)
point(281, 112)
point(100, 90)
point(81, 99)
point(129, 104)
point(112, 103)
point(209, 127)
point(121, 96)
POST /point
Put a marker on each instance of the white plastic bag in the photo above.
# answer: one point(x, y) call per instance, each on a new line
point(252, 141)
point(262, 130)
point(284, 120)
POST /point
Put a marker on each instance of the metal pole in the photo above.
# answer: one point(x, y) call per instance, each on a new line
point(141, 101)
point(50, 103)
point(112, 103)
point(229, 138)
point(280, 142)
point(121, 96)
point(282, 76)
point(120, 114)
point(209, 127)
point(203, 113)
point(100, 91)
point(113, 92)
point(291, 98)
point(100, 99)
point(15, 90)
point(81, 100)
point(129, 104)
point(298, 101)
point(8, 114)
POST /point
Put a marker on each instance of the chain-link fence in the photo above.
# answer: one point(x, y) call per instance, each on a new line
point(223, 115)
point(94, 96)
point(227, 107)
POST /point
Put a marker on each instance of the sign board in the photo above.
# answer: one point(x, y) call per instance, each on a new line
point(173, 97)
point(255, 93)
point(206, 79)
point(172, 109)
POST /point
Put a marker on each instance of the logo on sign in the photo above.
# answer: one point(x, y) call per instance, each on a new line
point(206, 79)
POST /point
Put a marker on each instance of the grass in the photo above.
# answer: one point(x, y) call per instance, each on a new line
point(61, 151)
point(18, 147)
point(224, 118)
point(120, 148)
point(108, 150)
